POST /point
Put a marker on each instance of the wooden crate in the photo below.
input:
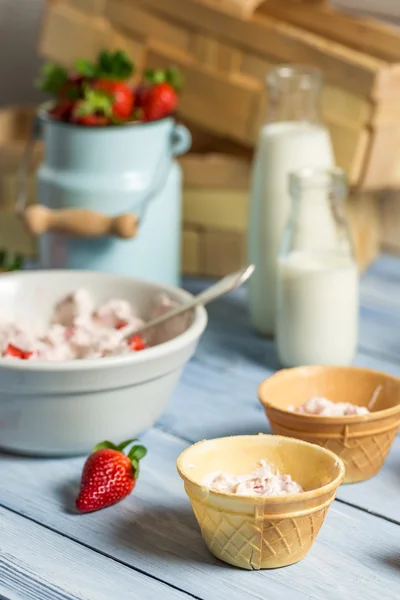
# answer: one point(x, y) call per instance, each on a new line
point(224, 48)
point(15, 125)
point(215, 208)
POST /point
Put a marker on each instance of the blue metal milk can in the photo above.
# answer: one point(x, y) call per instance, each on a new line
point(109, 197)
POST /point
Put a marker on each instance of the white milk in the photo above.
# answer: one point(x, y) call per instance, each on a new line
point(318, 300)
point(283, 147)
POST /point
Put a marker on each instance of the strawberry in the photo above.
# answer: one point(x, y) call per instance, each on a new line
point(136, 343)
point(122, 96)
point(109, 475)
point(161, 101)
point(159, 93)
point(62, 111)
point(94, 109)
point(73, 88)
point(12, 350)
point(90, 120)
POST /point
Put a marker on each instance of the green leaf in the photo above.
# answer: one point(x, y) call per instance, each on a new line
point(84, 67)
point(115, 65)
point(135, 468)
point(103, 445)
point(124, 445)
point(154, 76)
point(95, 102)
point(52, 78)
point(137, 452)
point(175, 78)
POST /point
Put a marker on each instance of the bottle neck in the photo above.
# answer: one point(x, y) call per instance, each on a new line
point(294, 94)
point(317, 220)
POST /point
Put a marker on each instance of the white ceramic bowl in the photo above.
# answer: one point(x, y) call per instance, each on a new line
point(66, 407)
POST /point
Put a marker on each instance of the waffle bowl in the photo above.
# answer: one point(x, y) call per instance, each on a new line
point(257, 532)
point(361, 441)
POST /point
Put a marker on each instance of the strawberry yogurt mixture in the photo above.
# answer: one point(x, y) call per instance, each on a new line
point(79, 330)
point(264, 481)
point(326, 408)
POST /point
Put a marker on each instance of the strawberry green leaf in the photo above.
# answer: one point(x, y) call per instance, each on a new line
point(175, 78)
point(154, 76)
point(135, 468)
point(115, 65)
point(84, 67)
point(52, 78)
point(124, 445)
point(104, 445)
point(94, 102)
point(137, 453)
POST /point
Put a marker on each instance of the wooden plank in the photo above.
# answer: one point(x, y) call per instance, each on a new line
point(390, 210)
point(134, 18)
point(388, 10)
point(9, 190)
point(155, 530)
point(362, 33)
point(14, 237)
point(214, 54)
point(363, 214)
point(214, 170)
point(11, 152)
point(37, 563)
point(15, 123)
point(350, 148)
point(223, 252)
point(68, 35)
point(190, 251)
point(270, 37)
point(382, 165)
point(342, 107)
point(94, 8)
point(205, 88)
point(218, 209)
point(338, 104)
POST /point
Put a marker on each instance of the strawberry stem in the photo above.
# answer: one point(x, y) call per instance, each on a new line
point(104, 445)
point(172, 75)
point(124, 445)
point(136, 453)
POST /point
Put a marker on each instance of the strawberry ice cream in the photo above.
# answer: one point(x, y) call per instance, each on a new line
point(79, 330)
point(325, 408)
point(264, 481)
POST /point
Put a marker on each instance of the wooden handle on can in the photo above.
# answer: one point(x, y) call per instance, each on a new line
point(79, 222)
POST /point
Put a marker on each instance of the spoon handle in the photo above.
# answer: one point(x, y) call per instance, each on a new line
point(223, 286)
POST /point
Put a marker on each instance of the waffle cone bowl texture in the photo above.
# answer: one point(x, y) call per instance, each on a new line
point(254, 532)
point(361, 441)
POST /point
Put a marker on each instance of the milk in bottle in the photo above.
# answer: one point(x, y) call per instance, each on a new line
point(317, 292)
point(292, 138)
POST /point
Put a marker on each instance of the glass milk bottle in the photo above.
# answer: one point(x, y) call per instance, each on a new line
point(293, 137)
point(318, 283)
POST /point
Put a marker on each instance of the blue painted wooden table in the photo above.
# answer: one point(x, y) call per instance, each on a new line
point(149, 545)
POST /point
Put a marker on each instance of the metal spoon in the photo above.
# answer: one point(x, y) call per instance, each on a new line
point(223, 286)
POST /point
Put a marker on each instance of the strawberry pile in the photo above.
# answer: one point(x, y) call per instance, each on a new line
point(98, 93)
